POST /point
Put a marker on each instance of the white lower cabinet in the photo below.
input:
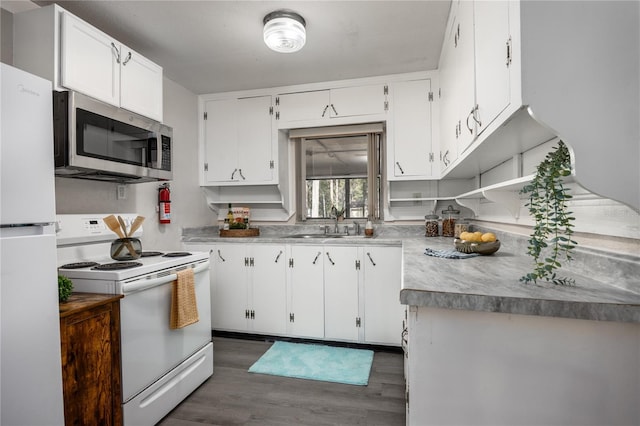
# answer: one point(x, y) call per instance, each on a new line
point(248, 288)
point(362, 294)
point(341, 270)
point(332, 292)
point(383, 313)
point(305, 291)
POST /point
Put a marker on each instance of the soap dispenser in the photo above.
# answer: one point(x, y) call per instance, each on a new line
point(368, 229)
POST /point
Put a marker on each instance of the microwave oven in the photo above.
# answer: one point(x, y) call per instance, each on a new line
point(97, 141)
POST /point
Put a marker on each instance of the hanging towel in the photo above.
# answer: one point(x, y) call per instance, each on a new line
point(449, 254)
point(184, 309)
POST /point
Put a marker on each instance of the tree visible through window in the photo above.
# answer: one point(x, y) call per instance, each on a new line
point(339, 173)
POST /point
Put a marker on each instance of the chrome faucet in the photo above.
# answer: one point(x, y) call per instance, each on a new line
point(356, 227)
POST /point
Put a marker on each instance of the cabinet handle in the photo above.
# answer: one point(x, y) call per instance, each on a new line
point(127, 59)
point(469, 116)
point(316, 258)
point(278, 256)
point(246, 313)
point(246, 261)
point(241, 175)
point(508, 52)
point(400, 167)
point(330, 260)
point(115, 50)
point(220, 256)
point(234, 173)
point(251, 261)
point(324, 111)
point(476, 115)
point(372, 262)
point(253, 314)
point(334, 110)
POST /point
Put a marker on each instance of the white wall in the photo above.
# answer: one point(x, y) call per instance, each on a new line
point(188, 207)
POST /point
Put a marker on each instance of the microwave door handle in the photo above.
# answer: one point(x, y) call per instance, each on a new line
point(143, 156)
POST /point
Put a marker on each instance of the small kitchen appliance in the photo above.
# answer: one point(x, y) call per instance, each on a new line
point(97, 141)
point(160, 365)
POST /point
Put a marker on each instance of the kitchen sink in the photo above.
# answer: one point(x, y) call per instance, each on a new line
point(323, 236)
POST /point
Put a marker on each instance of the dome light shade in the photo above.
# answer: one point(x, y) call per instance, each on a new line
point(284, 31)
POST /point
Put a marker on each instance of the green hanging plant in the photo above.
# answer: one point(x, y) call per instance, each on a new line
point(551, 240)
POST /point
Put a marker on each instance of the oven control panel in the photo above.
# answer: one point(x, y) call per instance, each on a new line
point(89, 227)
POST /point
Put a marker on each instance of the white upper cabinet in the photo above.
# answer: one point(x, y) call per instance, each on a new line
point(493, 48)
point(59, 46)
point(457, 97)
point(238, 141)
point(140, 84)
point(88, 59)
point(313, 107)
point(410, 152)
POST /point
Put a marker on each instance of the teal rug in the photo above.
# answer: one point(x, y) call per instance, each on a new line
point(316, 362)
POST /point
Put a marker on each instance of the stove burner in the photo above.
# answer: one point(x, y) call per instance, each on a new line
point(151, 253)
point(116, 266)
point(78, 265)
point(177, 254)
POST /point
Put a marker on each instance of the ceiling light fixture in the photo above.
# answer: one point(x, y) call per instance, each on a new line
point(284, 31)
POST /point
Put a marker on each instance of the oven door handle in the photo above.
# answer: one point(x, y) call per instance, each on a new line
point(144, 284)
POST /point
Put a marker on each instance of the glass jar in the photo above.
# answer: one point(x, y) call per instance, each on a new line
point(126, 249)
point(449, 217)
point(431, 225)
point(462, 226)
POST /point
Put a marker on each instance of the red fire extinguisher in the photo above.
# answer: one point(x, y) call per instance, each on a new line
point(164, 203)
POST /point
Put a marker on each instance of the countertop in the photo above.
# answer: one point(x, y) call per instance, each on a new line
point(607, 287)
point(492, 284)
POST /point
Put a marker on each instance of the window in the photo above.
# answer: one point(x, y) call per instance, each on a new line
point(339, 172)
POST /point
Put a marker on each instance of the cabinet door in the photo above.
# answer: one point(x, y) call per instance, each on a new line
point(221, 152)
point(268, 308)
point(305, 294)
point(229, 288)
point(465, 75)
point(383, 313)
point(254, 140)
point(304, 106)
point(140, 84)
point(361, 100)
point(89, 60)
point(412, 154)
point(491, 23)
point(341, 293)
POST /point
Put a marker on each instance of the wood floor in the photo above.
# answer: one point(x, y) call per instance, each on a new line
point(232, 396)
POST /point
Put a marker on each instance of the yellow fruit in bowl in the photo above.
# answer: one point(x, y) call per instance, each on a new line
point(477, 237)
point(488, 237)
point(465, 235)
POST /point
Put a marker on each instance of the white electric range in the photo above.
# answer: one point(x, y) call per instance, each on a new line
point(160, 366)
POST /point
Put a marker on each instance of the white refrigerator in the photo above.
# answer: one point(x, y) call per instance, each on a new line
point(30, 369)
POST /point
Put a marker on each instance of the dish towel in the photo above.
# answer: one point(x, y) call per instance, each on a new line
point(449, 254)
point(184, 309)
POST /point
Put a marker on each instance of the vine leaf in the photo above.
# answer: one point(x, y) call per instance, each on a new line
point(551, 240)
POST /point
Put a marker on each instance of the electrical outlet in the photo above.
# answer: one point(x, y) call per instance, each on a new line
point(121, 192)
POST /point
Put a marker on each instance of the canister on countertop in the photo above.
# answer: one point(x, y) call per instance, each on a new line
point(462, 226)
point(431, 225)
point(450, 215)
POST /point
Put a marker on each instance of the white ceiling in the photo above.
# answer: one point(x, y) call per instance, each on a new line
point(216, 46)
